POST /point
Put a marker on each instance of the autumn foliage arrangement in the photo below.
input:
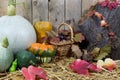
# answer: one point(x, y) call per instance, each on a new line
point(98, 54)
point(46, 52)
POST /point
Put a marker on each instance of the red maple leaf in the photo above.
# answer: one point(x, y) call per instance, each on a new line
point(83, 67)
point(93, 67)
point(31, 72)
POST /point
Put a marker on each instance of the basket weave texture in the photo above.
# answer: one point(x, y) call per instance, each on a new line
point(63, 46)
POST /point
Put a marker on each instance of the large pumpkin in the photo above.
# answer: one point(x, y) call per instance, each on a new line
point(6, 56)
point(25, 58)
point(18, 30)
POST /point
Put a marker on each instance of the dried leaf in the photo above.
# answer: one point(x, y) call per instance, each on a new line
point(75, 49)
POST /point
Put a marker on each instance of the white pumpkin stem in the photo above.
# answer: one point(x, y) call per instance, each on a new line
point(11, 10)
point(5, 42)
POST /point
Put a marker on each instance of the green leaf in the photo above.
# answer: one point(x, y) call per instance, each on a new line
point(105, 49)
point(78, 37)
point(96, 51)
point(101, 56)
point(103, 52)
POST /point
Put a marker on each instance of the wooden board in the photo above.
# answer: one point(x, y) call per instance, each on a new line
point(3, 7)
point(73, 12)
point(86, 5)
point(40, 10)
point(24, 8)
point(56, 12)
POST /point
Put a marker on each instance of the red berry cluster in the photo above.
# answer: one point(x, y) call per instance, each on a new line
point(111, 4)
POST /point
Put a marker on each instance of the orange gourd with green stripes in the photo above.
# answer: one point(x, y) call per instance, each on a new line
point(43, 50)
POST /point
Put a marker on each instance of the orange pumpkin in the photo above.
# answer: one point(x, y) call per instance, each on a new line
point(43, 50)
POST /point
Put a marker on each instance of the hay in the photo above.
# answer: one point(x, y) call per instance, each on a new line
point(60, 71)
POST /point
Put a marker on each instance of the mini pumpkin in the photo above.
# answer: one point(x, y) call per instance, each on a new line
point(6, 55)
point(45, 51)
point(41, 28)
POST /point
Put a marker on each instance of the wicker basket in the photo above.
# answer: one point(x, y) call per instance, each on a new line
point(64, 46)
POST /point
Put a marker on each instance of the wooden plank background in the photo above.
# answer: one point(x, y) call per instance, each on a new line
point(55, 11)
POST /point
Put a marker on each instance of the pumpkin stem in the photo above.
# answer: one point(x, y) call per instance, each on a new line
point(5, 42)
point(11, 2)
point(11, 10)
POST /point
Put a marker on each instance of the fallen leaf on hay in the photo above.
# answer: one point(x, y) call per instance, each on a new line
point(82, 67)
point(25, 73)
point(31, 72)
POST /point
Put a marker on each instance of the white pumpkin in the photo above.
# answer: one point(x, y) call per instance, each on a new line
point(18, 30)
point(6, 56)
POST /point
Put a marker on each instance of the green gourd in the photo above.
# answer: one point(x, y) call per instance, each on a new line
point(44, 52)
point(6, 56)
point(25, 58)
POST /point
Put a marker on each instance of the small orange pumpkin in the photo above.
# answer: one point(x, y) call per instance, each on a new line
point(43, 50)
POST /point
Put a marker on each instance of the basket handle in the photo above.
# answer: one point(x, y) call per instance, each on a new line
point(69, 26)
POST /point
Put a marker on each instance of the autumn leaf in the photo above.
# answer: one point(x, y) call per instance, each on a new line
point(105, 49)
point(95, 51)
point(103, 52)
point(83, 67)
point(78, 37)
point(80, 67)
point(75, 49)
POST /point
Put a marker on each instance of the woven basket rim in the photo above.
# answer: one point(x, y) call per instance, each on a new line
point(66, 25)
